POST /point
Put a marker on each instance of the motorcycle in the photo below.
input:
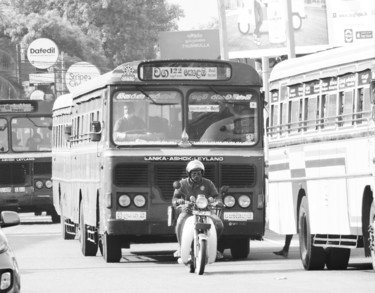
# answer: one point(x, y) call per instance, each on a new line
point(199, 237)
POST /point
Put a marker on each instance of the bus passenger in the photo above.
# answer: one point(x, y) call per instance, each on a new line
point(34, 141)
point(195, 184)
point(129, 122)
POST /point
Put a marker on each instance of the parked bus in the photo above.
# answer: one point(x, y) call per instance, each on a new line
point(114, 188)
point(25, 157)
point(321, 138)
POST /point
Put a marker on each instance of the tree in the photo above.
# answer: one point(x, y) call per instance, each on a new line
point(91, 29)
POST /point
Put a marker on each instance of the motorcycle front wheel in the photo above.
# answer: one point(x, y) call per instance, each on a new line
point(201, 256)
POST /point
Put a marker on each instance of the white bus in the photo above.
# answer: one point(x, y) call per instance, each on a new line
point(321, 136)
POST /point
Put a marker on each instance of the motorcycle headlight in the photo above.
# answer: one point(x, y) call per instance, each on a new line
point(124, 200)
point(229, 201)
point(139, 200)
point(201, 202)
point(48, 184)
point(244, 201)
point(38, 184)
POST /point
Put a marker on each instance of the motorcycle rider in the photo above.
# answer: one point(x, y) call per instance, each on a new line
point(195, 184)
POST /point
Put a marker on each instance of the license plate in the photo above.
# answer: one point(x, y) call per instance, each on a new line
point(131, 216)
point(202, 213)
point(240, 216)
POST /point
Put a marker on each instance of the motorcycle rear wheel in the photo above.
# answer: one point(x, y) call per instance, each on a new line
point(201, 256)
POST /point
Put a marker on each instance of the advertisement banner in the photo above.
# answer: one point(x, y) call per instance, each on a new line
point(257, 28)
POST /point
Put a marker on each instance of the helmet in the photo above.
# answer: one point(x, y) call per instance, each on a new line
point(194, 165)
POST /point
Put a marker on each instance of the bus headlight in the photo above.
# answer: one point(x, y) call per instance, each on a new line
point(38, 184)
point(229, 201)
point(244, 201)
point(139, 200)
point(48, 183)
point(124, 200)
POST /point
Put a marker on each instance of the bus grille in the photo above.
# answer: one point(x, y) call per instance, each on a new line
point(15, 174)
point(238, 175)
point(42, 168)
point(165, 175)
point(131, 175)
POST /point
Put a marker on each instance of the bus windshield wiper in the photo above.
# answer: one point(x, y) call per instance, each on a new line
point(151, 99)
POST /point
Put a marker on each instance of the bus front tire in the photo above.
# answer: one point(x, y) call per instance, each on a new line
point(313, 258)
point(111, 248)
point(337, 258)
point(240, 248)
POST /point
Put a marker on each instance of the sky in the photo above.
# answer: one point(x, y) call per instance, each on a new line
point(196, 12)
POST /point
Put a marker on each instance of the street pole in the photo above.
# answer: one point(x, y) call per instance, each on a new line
point(222, 30)
point(291, 46)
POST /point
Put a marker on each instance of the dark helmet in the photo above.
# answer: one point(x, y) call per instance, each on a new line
point(194, 165)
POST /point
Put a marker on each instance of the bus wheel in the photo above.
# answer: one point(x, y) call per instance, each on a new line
point(240, 248)
point(88, 247)
point(55, 216)
point(111, 248)
point(313, 258)
point(371, 230)
point(337, 258)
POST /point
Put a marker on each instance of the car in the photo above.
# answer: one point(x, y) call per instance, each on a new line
point(10, 280)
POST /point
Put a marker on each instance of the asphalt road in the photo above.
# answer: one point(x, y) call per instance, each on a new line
point(50, 264)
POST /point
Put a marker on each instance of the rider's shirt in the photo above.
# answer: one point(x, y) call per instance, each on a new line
point(188, 188)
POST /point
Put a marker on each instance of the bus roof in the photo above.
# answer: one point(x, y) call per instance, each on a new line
point(63, 101)
point(324, 60)
point(128, 72)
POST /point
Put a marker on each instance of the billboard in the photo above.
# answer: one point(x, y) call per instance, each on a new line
point(257, 28)
point(195, 44)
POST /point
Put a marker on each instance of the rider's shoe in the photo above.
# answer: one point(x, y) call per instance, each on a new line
point(219, 255)
point(179, 260)
point(281, 253)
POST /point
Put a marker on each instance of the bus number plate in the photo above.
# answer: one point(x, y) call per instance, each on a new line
point(233, 216)
point(131, 216)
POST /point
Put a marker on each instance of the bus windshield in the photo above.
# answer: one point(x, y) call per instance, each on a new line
point(31, 134)
point(3, 135)
point(228, 118)
point(152, 117)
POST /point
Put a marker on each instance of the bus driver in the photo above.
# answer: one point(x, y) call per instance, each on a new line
point(129, 122)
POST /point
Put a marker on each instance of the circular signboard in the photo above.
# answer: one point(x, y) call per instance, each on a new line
point(79, 73)
point(37, 95)
point(42, 53)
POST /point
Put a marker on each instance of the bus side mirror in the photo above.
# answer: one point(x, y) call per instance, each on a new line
point(68, 131)
point(96, 131)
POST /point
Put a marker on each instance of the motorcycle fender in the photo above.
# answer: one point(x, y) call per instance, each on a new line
point(211, 242)
point(187, 239)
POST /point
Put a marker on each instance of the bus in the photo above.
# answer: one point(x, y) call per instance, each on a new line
point(112, 190)
point(25, 157)
point(321, 154)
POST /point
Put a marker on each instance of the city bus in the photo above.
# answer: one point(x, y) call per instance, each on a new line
point(321, 153)
point(25, 157)
point(114, 188)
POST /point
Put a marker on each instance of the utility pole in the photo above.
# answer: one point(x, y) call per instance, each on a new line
point(291, 45)
point(222, 30)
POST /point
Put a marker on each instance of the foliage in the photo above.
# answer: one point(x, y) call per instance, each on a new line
point(103, 32)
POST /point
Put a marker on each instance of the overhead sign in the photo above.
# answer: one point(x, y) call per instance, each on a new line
point(42, 53)
point(199, 44)
point(79, 73)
